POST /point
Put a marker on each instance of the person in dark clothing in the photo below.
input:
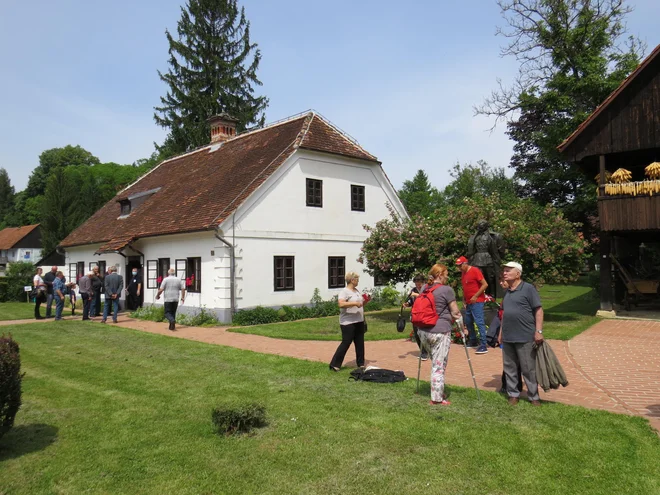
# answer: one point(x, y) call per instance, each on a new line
point(97, 288)
point(133, 290)
point(40, 290)
point(113, 284)
point(49, 278)
point(419, 283)
point(86, 293)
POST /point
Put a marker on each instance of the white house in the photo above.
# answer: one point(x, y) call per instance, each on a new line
point(259, 218)
point(19, 244)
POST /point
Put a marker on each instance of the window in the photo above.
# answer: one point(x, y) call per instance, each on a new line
point(152, 274)
point(357, 198)
point(315, 193)
point(73, 269)
point(80, 271)
point(163, 267)
point(194, 275)
point(336, 271)
point(379, 279)
point(181, 267)
point(284, 273)
point(125, 208)
point(102, 268)
point(99, 264)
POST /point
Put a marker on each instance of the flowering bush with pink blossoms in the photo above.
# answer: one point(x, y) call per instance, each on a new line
point(547, 245)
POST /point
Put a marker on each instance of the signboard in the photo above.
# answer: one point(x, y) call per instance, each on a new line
point(27, 288)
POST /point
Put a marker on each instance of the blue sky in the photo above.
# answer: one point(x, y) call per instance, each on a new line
point(400, 78)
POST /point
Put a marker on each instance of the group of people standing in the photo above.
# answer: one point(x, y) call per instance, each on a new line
point(52, 287)
point(521, 325)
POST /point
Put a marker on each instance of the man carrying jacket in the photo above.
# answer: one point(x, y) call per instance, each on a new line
point(522, 325)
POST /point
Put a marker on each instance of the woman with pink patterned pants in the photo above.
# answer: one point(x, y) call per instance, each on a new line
point(437, 339)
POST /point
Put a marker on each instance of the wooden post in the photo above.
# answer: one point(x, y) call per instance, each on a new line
point(605, 250)
point(605, 273)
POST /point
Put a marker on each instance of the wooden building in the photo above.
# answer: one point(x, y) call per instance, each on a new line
point(623, 133)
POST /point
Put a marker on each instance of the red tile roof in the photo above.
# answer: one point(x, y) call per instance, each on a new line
point(198, 190)
point(12, 235)
point(600, 108)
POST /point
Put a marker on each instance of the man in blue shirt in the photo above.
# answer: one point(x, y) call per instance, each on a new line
point(59, 290)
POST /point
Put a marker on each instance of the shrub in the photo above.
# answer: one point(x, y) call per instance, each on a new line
point(201, 317)
point(234, 418)
point(256, 316)
point(10, 382)
point(18, 275)
point(150, 313)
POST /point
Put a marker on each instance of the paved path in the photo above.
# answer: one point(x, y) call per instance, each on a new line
point(615, 365)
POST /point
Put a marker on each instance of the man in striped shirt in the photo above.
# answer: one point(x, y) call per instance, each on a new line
point(171, 286)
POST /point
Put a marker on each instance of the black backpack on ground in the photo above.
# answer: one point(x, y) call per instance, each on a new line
point(377, 375)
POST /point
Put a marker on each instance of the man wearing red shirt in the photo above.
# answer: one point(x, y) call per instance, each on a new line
point(474, 288)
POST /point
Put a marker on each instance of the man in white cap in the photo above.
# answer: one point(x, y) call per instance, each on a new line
point(522, 325)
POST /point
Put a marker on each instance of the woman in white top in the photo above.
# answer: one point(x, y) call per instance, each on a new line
point(40, 287)
point(351, 321)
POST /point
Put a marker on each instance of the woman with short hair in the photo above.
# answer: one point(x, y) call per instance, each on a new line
point(437, 339)
point(351, 321)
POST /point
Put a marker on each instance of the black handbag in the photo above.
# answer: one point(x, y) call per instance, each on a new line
point(364, 325)
point(401, 322)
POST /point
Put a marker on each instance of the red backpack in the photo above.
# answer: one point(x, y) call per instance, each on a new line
point(424, 314)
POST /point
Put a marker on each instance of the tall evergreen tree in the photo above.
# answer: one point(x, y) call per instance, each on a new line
point(571, 56)
point(213, 69)
point(6, 196)
point(59, 201)
point(419, 196)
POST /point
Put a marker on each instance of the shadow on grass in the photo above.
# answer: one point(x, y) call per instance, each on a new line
point(585, 305)
point(25, 439)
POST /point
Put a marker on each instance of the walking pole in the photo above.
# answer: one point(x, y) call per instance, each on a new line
point(467, 354)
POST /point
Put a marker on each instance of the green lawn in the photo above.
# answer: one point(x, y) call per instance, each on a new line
point(569, 310)
point(18, 311)
point(110, 410)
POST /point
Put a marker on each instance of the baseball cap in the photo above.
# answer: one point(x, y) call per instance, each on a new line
point(513, 264)
point(461, 260)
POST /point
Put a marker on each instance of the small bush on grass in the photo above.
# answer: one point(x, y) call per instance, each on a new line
point(10, 382)
point(150, 313)
point(256, 316)
point(233, 418)
point(202, 317)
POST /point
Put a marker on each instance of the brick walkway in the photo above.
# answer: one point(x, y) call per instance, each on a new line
point(613, 366)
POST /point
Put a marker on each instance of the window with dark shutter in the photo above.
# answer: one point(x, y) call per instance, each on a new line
point(163, 268)
point(336, 271)
point(80, 271)
point(357, 198)
point(152, 274)
point(194, 275)
point(284, 273)
point(315, 193)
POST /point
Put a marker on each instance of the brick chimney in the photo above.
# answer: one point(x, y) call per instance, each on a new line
point(223, 127)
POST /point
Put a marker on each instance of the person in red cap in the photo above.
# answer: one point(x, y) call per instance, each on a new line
point(474, 288)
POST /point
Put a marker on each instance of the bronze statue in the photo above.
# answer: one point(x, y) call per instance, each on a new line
point(485, 251)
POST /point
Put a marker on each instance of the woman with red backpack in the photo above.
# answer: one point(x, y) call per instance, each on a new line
point(434, 312)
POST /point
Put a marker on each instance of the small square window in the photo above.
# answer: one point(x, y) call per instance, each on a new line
point(336, 272)
point(125, 208)
point(315, 193)
point(357, 198)
point(284, 278)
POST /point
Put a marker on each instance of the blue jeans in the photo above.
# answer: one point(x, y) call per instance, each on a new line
point(59, 307)
point(115, 308)
point(474, 313)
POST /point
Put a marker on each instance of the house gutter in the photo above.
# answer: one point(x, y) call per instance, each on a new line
point(232, 270)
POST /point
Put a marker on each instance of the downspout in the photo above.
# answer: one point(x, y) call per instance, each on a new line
point(232, 271)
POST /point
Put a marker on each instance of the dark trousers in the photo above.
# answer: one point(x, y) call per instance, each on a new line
point(49, 304)
point(132, 301)
point(87, 302)
point(523, 355)
point(353, 333)
point(170, 311)
point(39, 298)
point(95, 304)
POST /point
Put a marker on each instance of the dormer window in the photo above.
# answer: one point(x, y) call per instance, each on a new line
point(125, 208)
